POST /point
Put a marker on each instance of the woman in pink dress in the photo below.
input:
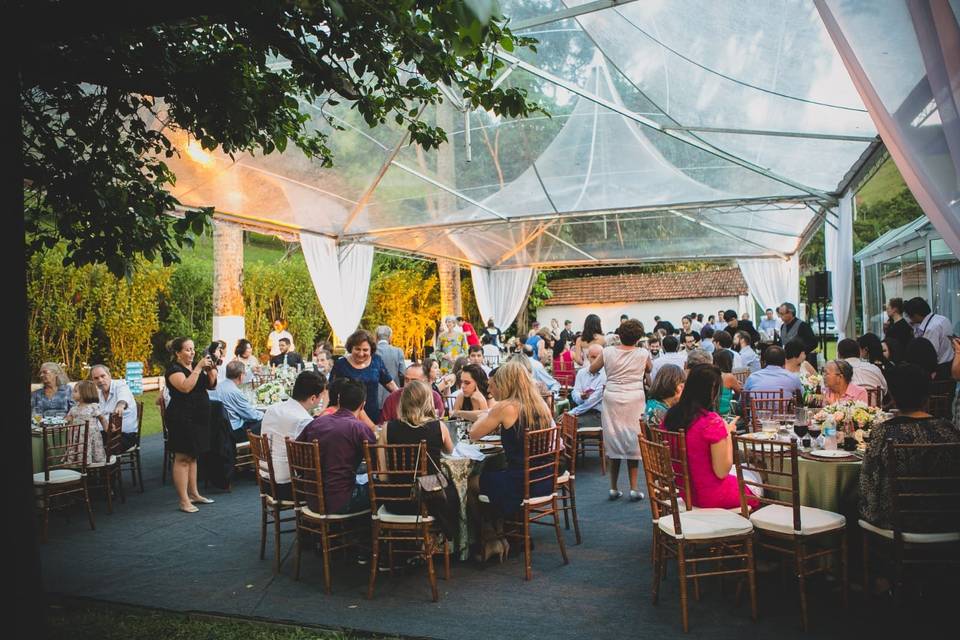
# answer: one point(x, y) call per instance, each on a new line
point(709, 446)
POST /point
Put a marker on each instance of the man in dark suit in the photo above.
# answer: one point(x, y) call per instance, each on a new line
point(734, 325)
point(286, 357)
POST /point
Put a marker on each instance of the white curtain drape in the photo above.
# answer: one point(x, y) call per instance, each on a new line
point(501, 293)
point(341, 278)
point(838, 246)
point(773, 281)
point(904, 60)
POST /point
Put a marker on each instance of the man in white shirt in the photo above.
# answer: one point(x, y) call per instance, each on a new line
point(668, 355)
point(286, 420)
point(116, 398)
point(273, 340)
point(491, 352)
point(588, 391)
point(865, 374)
point(935, 328)
point(475, 356)
point(748, 356)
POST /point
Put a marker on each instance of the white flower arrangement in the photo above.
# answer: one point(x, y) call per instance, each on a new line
point(286, 376)
point(859, 415)
point(271, 393)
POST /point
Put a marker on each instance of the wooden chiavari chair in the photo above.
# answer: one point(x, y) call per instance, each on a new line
point(168, 453)
point(64, 470)
point(768, 401)
point(874, 396)
point(109, 471)
point(130, 458)
point(566, 482)
point(271, 507)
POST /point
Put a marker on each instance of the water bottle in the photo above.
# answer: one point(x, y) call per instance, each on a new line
point(830, 436)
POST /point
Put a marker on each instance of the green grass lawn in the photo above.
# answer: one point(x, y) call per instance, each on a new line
point(151, 414)
point(104, 622)
point(256, 248)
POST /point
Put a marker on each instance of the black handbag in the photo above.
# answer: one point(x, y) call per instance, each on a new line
point(432, 486)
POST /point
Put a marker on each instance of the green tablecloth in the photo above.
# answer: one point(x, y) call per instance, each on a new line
point(833, 486)
point(37, 444)
point(459, 470)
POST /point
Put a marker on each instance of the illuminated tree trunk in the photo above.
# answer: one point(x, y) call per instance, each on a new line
point(227, 283)
point(449, 271)
point(450, 302)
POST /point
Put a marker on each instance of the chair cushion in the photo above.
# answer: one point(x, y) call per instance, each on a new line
point(385, 516)
point(776, 517)
point(541, 500)
point(131, 449)
point(564, 477)
point(912, 538)
point(701, 524)
point(243, 445)
point(484, 499)
point(58, 476)
point(310, 513)
point(97, 465)
point(284, 504)
point(589, 430)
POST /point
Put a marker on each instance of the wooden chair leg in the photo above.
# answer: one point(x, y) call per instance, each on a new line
point(325, 543)
point(527, 561)
point(573, 508)
point(122, 492)
point(752, 578)
point(603, 458)
point(299, 544)
point(657, 571)
point(799, 554)
point(556, 526)
point(139, 463)
point(428, 556)
point(682, 571)
point(867, 589)
point(276, 538)
point(845, 578)
point(263, 528)
point(564, 499)
point(375, 558)
point(446, 559)
point(86, 499)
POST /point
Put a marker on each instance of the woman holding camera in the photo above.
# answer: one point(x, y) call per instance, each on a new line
point(188, 417)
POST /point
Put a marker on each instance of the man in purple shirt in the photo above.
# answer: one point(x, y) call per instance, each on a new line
point(341, 436)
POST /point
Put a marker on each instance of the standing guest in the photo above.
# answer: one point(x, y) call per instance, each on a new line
point(742, 324)
point(492, 332)
point(341, 436)
point(451, 344)
point(475, 356)
point(749, 357)
point(55, 395)
point(665, 325)
point(592, 334)
point(669, 355)
point(706, 339)
point(188, 417)
point(912, 425)
point(243, 416)
point(563, 369)
point(898, 329)
point(86, 409)
point(413, 373)
point(686, 329)
point(490, 351)
point(709, 446)
point(724, 342)
point(587, 392)
point(392, 358)
point(664, 394)
point(623, 318)
point(279, 331)
point(935, 328)
point(114, 397)
point(865, 374)
point(623, 403)
point(286, 420)
point(689, 342)
point(770, 324)
point(838, 380)
point(473, 392)
point(362, 363)
point(795, 328)
point(567, 334)
point(720, 324)
point(730, 384)
point(797, 358)
point(774, 376)
point(468, 331)
point(287, 357)
point(555, 328)
point(323, 360)
point(696, 322)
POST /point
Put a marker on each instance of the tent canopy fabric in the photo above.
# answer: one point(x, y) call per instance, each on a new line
point(692, 129)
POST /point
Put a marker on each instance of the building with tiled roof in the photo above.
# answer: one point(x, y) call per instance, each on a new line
point(644, 295)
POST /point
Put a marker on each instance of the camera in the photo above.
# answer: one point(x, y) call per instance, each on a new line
point(212, 352)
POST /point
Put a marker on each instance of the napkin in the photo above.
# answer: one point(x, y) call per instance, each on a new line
point(467, 450)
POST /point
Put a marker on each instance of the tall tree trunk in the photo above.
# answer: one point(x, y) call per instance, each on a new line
point(228, 310)
point(450, 300)
point(449, 271)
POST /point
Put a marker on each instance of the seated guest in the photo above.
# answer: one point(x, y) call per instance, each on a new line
point(55, 395)
point(910, 388)
point(341, 436)
point(287, 419)
point(540, 372)
point(563, 366)
point(115, 397)
point(797, 358)
point(653, 345)
point(417, 420)
point(286, 357)
point(588, 391)
point(865, 374)
point(664, 394)
point(723, 358)
point(241, 413)
point(473, 393)
point(922, 353)
point(86, 409)
point(935, 328)
point(696, 357)
point(709, 446)
point(490, 350)
point(743, 324)
point(838, 380)
point(670, 355)
point(475, 356)
point(706, 338)
point(390, 410)
point(689, 342)
point(871, 350)
point(774, 377)
point(724, 340)
point(749, 357)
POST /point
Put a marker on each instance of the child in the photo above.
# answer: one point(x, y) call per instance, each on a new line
point(86, 408)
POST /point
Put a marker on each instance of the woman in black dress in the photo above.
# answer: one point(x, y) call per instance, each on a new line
point(188, 417)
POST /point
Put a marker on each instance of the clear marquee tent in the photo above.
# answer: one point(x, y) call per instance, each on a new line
point(707, 129)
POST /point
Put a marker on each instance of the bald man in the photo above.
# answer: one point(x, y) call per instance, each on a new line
point(588, 391)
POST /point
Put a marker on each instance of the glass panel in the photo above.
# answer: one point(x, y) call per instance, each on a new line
point(891, 282)
point(946, 282)
point(872, 302)
point(914, 274)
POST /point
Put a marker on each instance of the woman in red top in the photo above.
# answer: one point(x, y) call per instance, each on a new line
point(563, 371)
point(709, 446)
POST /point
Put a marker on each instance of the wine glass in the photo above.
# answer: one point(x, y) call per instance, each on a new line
point(801, 430)
point(814, 430)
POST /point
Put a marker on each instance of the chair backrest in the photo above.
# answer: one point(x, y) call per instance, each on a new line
point(139, 418)
point(940, 405)
point(568, 431)
point(645, 428)
point(741, 374)
point(777, 405)
point(564, 372)
point(392, 471)
point(919, 492)
point(492, 361)
point(263, 463)
point(65, 447)
point(676, 441)
point(306, 473)
point(548, 399)
point(768, 459)
point(874, 396)
point(163, 419)
point(661, 486)
point(113, 438)
point(541, 459)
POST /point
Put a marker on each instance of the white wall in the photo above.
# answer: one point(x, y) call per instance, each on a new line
point(671, 310)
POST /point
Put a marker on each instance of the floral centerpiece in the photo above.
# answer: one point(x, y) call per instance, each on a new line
point(271, 393)
point(811, 386)
point(286, 376)
point(851, 417)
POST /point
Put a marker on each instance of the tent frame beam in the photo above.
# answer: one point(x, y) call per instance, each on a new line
point(771, 133)
point(724, 232)
point(571, 12)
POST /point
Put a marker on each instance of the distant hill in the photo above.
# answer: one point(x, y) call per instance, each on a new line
point(884, 185)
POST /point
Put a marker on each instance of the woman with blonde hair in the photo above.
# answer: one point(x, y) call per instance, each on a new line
point(55, 395)
point(451, 344)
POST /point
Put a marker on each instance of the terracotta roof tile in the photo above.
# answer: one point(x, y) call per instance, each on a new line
point(638, 287)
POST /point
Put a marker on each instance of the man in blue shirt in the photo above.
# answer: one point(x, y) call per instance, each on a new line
point(773, 377)
point(241, 413)
point(540, 372)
